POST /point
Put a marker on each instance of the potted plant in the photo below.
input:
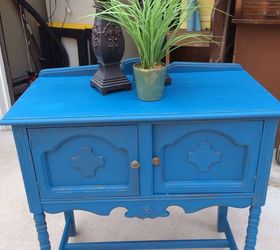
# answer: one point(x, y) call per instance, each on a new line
point(149, 23)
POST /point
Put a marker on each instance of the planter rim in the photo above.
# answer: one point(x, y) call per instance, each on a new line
point(149, 70)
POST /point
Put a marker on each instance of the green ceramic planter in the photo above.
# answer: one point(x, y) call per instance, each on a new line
point(149, 82)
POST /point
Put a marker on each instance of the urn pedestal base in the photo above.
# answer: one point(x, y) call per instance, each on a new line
point(109, 78)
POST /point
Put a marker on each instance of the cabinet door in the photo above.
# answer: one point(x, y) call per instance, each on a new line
point(85, 161)
point(206, 157)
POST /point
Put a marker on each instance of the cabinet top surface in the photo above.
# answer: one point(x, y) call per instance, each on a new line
point(198, 91)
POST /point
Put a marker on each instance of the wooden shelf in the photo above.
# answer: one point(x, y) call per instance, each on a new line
point(256, 21)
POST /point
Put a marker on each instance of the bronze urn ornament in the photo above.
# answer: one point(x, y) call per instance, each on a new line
point(108, 44)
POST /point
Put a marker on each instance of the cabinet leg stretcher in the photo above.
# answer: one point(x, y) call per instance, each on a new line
point(223, 226)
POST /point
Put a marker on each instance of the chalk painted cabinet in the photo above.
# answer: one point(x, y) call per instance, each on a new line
point(208, 142)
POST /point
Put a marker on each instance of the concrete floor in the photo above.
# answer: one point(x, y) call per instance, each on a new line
point(17, 231)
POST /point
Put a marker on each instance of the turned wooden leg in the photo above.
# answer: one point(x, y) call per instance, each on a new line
point(252, 230)
point(70, 216)
point(41, 226)
point(222, 212)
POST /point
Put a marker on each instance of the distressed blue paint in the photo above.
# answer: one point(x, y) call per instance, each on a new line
point(213, 132)
point(220, 92)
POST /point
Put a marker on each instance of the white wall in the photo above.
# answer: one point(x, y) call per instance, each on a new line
point(77, 10)
point(5, 102)
point(14, 36)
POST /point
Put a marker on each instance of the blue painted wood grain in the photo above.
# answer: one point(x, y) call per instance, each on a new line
point(198, 91)
point(213, 131)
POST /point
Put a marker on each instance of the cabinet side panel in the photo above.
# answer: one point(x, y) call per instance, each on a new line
point(27, 168)
point(265, 161)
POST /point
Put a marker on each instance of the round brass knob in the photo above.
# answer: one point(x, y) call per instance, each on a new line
point(156, 161)
point(135, 164)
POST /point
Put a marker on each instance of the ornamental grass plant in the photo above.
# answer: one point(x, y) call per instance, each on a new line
point(153, 25)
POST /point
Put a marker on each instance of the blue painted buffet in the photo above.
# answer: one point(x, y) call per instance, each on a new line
point(208, 142)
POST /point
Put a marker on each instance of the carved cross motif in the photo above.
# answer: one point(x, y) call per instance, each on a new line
point(204, 156)
point(87, 161)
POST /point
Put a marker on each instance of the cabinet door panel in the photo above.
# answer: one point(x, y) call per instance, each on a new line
point(85, 161)
point(206, 157)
